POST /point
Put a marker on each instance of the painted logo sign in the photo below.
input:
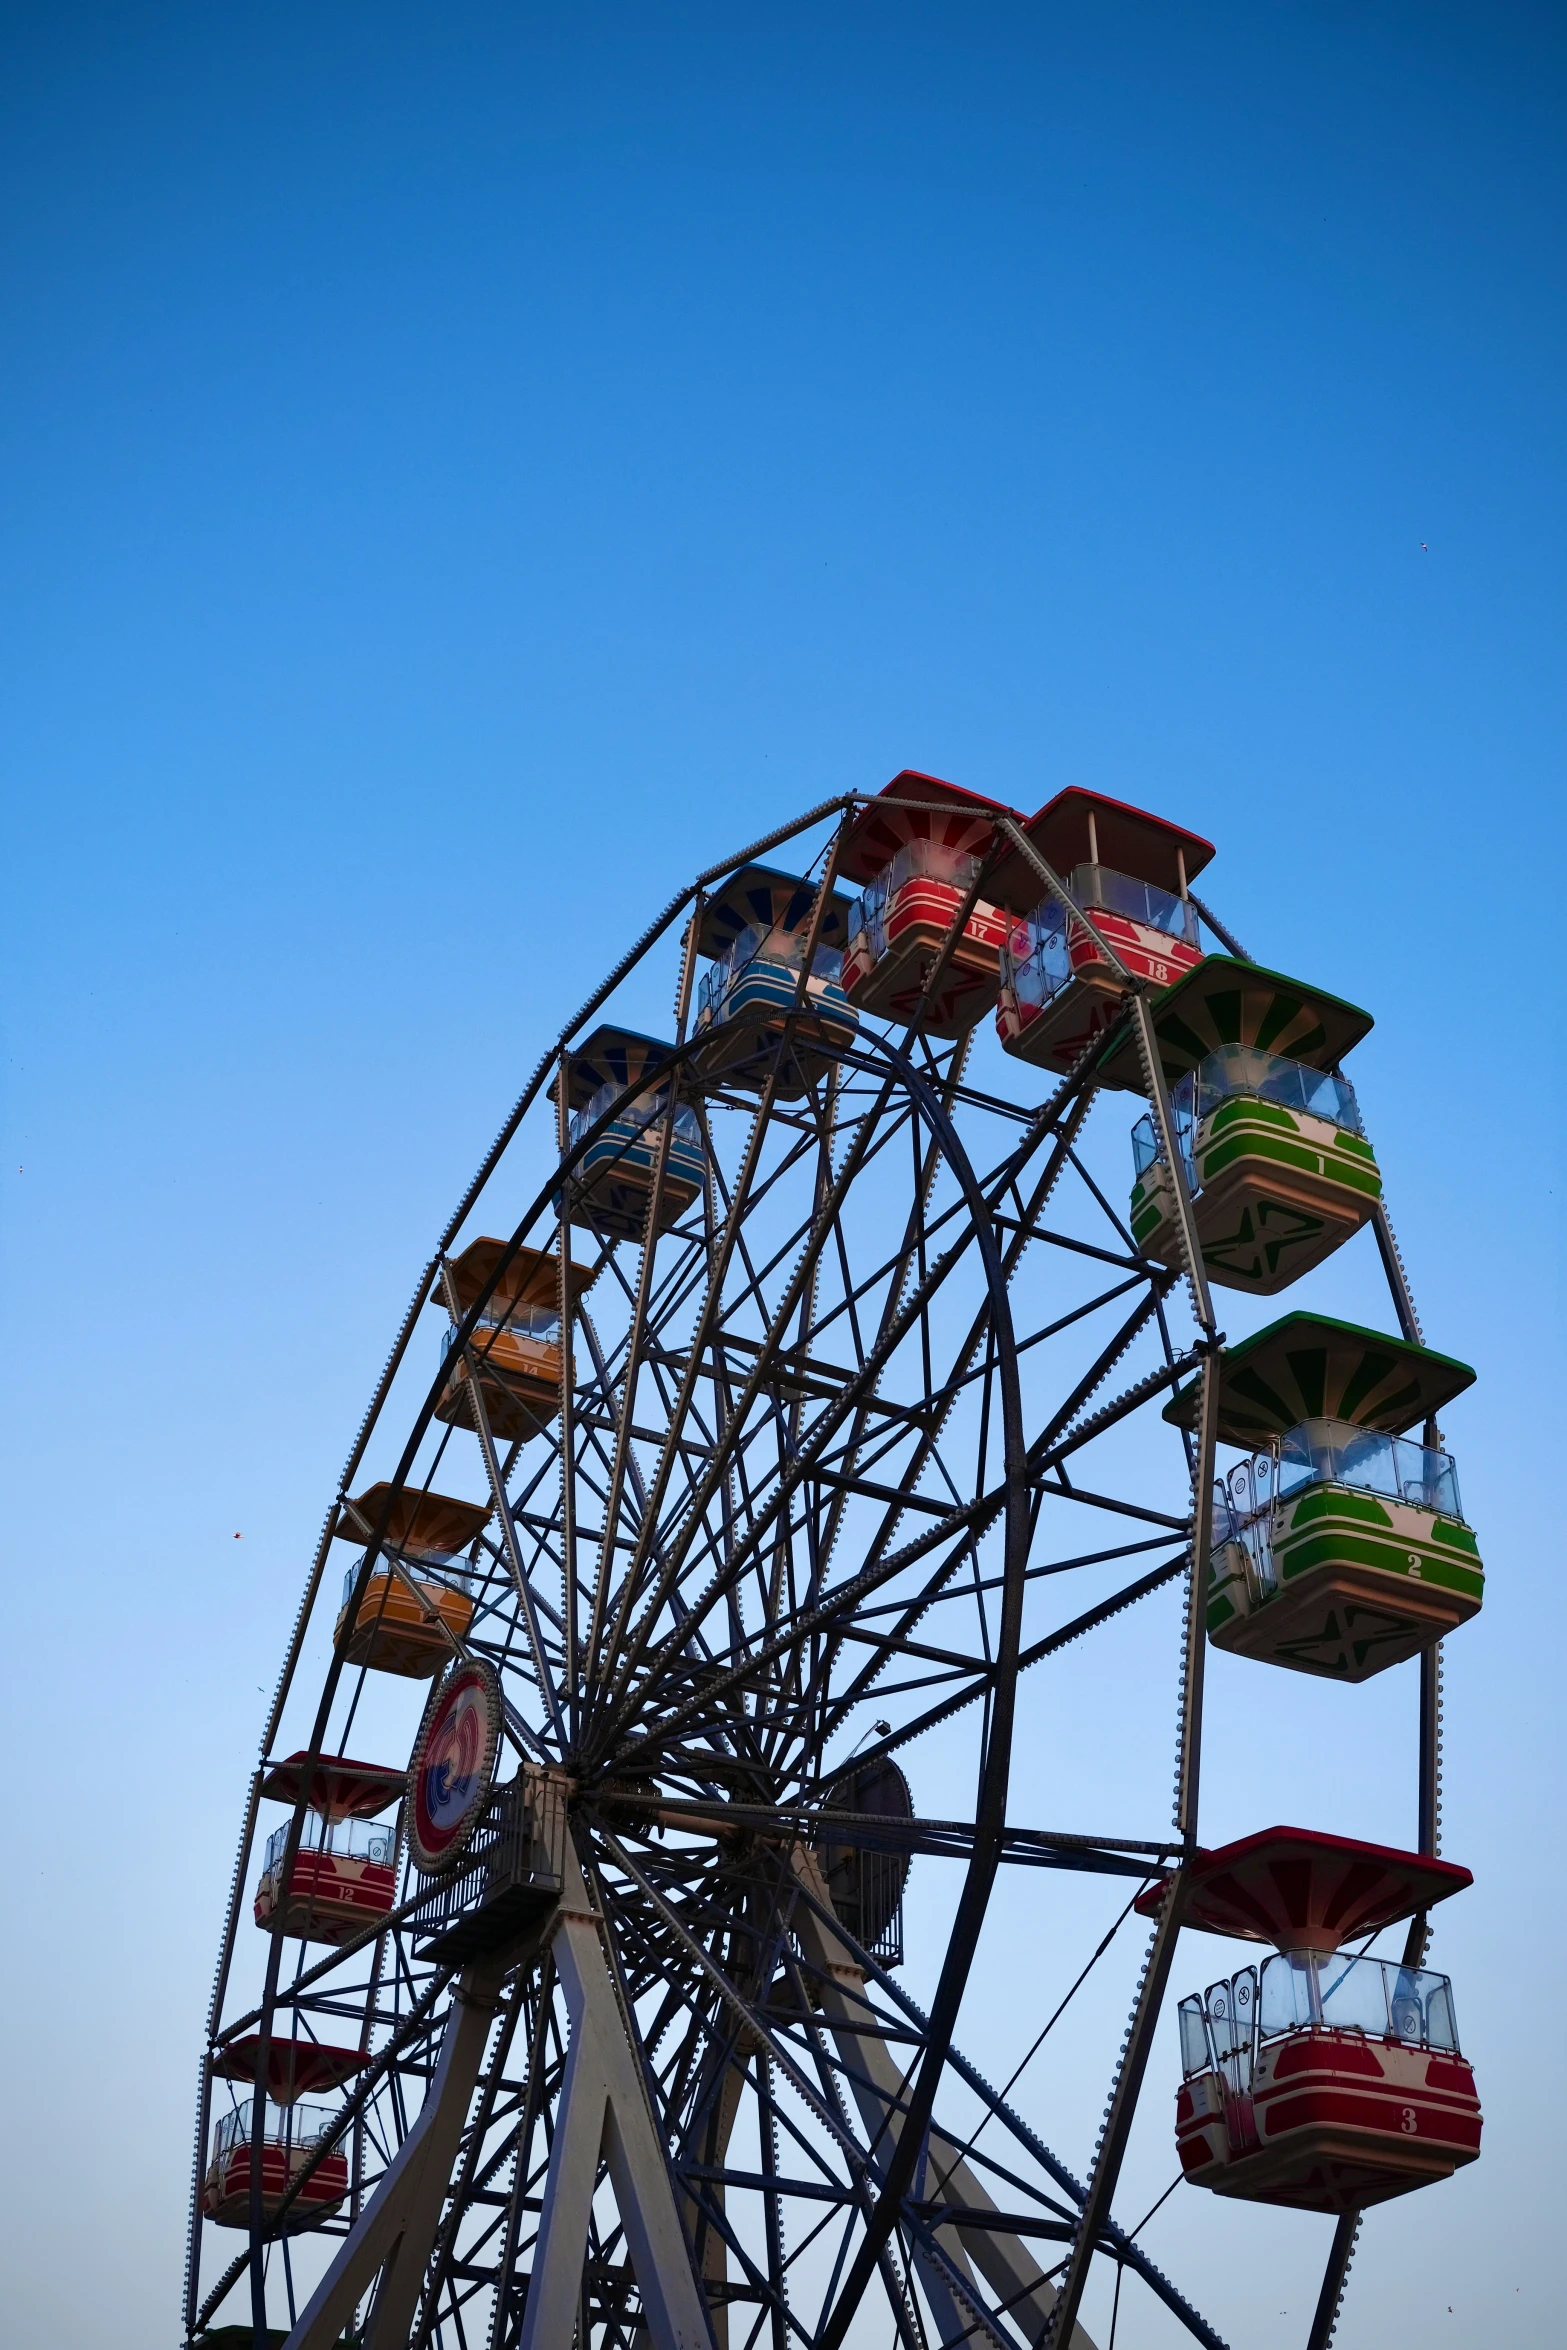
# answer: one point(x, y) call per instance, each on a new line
point(453, 1763)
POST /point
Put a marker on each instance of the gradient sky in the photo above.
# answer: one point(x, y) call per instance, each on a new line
point(465, 469)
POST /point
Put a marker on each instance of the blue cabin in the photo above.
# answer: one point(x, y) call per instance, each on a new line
point(612, 1183)
point(753, 933)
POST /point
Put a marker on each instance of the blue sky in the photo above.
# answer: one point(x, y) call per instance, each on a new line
point(466, 469)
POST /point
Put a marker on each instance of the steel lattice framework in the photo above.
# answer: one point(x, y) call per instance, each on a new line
point(838, 1459)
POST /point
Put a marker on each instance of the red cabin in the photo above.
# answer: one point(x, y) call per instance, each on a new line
point(1322, 2079)
point(917, 866)
point(1129, 872)
point(290, 2154)
point(344, 1874)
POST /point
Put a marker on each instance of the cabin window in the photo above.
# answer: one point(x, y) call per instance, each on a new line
point(1331, 1452)
point(538, 1322)
point(455, 1574)
point(1310, 1990)
point(755, 945)
point(369, 1840)
point(284, 2125)
point(1343, 1992)
point(1336, 1452)
point(1139, 901)
point(1237, 1070)
point(644, 1111)
point(917, 860)
point(1268, 1077)
point(1196, 2056)
point(1037, 959)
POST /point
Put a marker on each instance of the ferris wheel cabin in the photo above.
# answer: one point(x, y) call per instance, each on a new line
point(754, 933)
point(343, 1876)
point(1128, 871)
point(417, 1604)
point(293, 2157)
point(515, 1342)
point(612, 1184)
point(292, 2132)
point(1320, 2079)
point(1340, 1545)
point(918, 868)
point(1266, 1123)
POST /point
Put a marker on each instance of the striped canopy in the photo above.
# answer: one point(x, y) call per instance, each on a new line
point(1307, 1367)
point(1228, 1002)
point(611, 1056)
point(532, 1278)
point(758, 897)
point(417, 1521)
point(954, 818)
point(340, 1789)
point(295, 2069)
point(1302, 1890)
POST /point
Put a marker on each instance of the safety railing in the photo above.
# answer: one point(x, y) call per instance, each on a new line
point(511, 1868)
point(296, 2126)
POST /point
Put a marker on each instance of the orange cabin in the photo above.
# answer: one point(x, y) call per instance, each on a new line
point(411, 1614)
point(1323, 2079)
point(918, 867)
point(1128, 872)
point(516, 1341)
point(343, 1876)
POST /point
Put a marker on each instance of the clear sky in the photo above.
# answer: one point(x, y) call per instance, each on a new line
point(464, 470)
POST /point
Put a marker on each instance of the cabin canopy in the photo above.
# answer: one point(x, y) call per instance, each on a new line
point(295, 2068)
point(1130, 841)
point(339, 1789)
point(952, 817)
point(1305, 1891)
point(1307, 1367)
point(610, 1056)
point(531, 1278)
point(1227, 1002)
point(415, 1522)
point(760, 898)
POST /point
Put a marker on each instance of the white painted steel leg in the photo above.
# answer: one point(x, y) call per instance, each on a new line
point(1004, 2261)
point(395, 2233)
point(604, 2112)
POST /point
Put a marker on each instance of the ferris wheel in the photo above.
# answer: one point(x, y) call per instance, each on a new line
point(786, 1391)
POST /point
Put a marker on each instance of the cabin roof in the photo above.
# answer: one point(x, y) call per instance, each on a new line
point(610, 1056)
point(958, 819)
point(1303, 1890)
point(416, 1521)
point(1223, 1001)
point(532, 1278)
point(343, 1789)
point(295, 2068)
point(760, 895)
point(1131, 840)
point(1309, 1367)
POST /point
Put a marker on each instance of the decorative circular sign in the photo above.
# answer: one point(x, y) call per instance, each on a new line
point(452, 1764)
